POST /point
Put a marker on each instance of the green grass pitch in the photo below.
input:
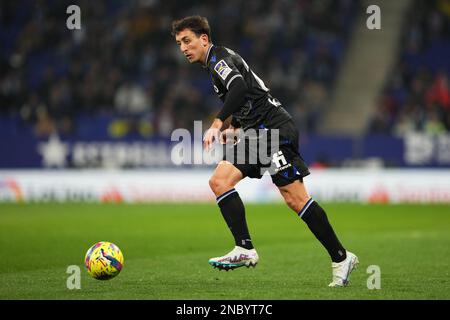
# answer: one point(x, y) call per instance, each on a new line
point(167, 247)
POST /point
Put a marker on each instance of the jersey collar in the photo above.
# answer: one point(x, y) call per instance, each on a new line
point(207, 56)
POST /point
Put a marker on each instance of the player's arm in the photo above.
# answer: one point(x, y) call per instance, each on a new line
point(230, 77)
point(234, 100)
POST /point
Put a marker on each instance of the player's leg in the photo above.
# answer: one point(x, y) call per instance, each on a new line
point(224, 178)
point(298, 199)
point(222, 183)
point(288, 177)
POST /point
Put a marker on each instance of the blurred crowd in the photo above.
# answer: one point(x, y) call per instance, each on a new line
point(416, 97)
point(124, 65)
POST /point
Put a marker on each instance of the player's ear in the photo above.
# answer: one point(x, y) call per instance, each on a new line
point(205, 39)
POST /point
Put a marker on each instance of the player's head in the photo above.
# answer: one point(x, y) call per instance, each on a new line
point(193, 36)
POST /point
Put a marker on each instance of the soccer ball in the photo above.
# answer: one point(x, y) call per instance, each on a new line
point(103, 260)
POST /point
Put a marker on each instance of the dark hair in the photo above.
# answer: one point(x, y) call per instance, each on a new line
point(197, 24)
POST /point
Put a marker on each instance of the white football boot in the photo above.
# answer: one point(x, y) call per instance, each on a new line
point(342, 270)
point(238, 257)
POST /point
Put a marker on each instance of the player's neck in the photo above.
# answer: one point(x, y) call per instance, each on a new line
point(205, 59)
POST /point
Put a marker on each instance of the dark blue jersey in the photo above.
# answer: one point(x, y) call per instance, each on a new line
point(260, 108)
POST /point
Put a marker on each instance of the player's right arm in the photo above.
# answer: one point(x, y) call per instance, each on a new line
point(230, 77)
point(235, 98)
point(226, 72)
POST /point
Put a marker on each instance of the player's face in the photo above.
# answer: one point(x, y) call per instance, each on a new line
point(192, 46)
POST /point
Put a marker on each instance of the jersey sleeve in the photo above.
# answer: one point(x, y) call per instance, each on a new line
point(224, 69)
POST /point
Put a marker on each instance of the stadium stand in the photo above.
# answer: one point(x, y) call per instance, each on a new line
point(121, 74)
point(416, 97)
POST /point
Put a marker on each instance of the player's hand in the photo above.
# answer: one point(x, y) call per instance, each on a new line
point(211, 135)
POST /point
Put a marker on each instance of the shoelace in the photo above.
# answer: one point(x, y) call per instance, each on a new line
point(236, 258)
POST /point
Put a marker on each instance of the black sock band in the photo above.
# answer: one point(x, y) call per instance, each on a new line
point(317, 221)
point(233, 212)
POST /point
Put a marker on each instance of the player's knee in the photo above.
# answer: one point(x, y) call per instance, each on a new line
point(220, 185)
point(295, 201)
point(213, 183)
point(291, 201)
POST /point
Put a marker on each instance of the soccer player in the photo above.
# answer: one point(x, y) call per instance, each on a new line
point(248, 101)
